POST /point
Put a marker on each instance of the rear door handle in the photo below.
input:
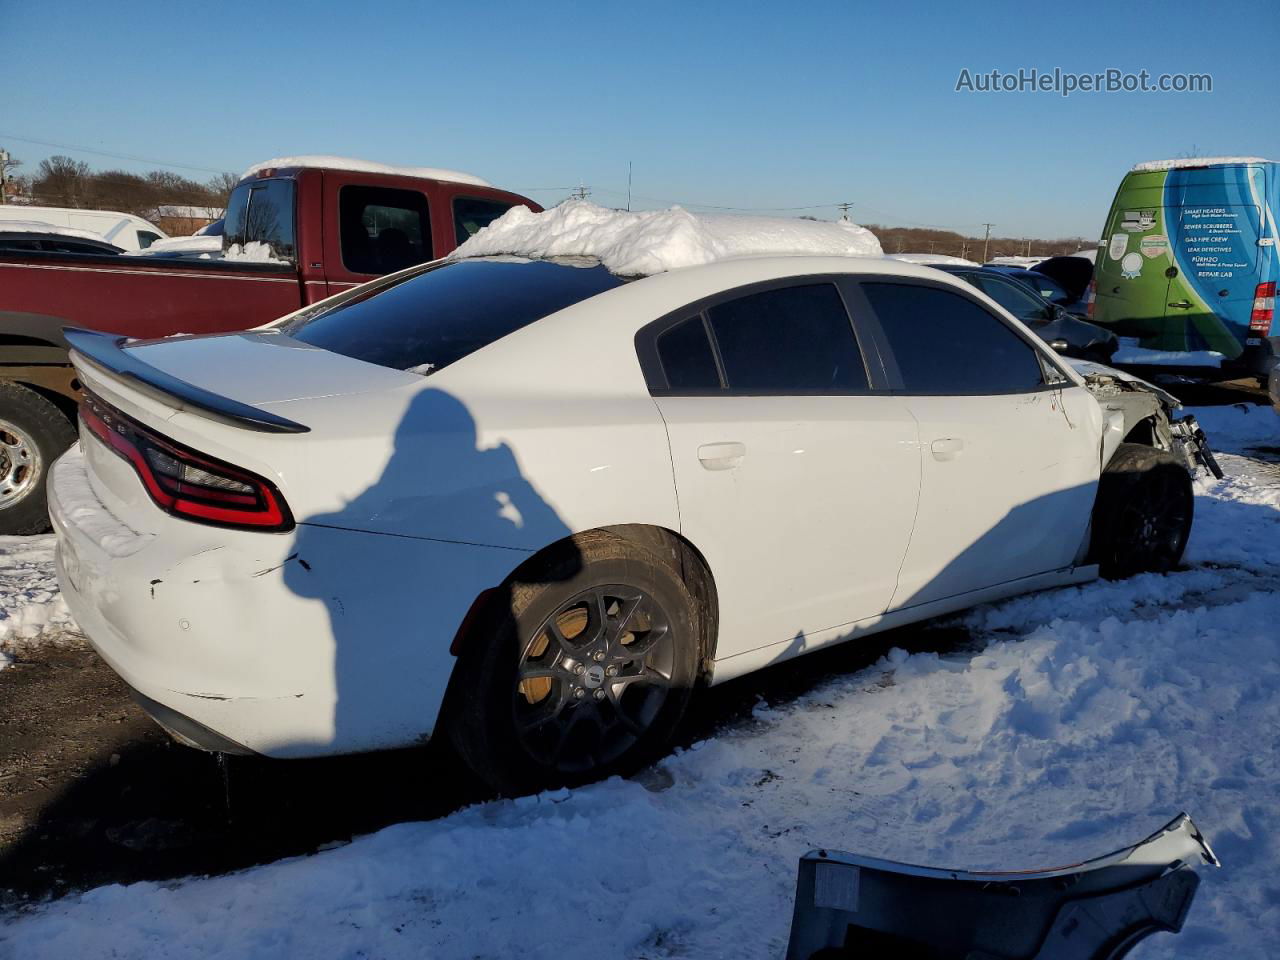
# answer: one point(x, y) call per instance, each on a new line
point(721, 456)
point(1181, 304)
point(947, 448)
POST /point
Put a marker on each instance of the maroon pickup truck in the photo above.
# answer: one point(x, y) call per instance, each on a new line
point(293, 234)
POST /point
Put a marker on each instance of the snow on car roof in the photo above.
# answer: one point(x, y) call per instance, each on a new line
point(932, 258)
point(1181, 163)
point(321, 161)
point(639, 244)
point(35, 226)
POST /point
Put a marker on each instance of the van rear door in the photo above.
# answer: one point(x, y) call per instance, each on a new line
point(1131, 264)
point(1215, 246)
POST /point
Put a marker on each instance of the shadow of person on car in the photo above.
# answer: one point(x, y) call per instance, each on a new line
point(416, 565)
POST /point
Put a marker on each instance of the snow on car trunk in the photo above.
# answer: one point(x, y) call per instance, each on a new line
point(1082, 720)
point(639, 244)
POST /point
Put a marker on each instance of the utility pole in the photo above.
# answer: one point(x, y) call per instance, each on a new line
point(4, 169)
point(582, 192)
point(844, 209)
point(1028, 248)
point(931, 243)
point(986, 240)
point(964, 250)
point(628, 186)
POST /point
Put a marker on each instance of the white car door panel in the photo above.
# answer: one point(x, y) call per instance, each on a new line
point(1006, 492)
point(802, 506)
point(1010, 444)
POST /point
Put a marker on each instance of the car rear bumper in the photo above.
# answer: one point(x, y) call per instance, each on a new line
point(313, 642)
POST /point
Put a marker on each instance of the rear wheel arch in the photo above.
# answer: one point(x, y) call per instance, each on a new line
point(670, 546)
point(661, 568)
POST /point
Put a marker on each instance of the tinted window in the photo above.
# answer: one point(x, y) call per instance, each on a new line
point(440, 316)
point(261, 211)
point(791, 339)
point(471, 215)
point(146, 238)
point(945, 343)
point(1012, 296)
point(687, 360)
point(1048, 288)
point(383, 230)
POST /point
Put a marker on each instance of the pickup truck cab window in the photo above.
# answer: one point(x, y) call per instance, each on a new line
point(383, 229)
point(261, 211)
point(471, 214)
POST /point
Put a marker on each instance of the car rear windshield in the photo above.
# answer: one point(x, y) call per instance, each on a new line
point(429, 320)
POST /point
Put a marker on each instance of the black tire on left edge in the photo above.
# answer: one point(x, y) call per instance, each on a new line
point(34, 433)
point(581, 669)
point(1143, 512)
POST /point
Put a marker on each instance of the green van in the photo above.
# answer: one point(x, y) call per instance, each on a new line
point(1187, 265)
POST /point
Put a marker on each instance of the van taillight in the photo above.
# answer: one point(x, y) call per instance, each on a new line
point(1090, 296)
point(185, 483)
point(1264, 308)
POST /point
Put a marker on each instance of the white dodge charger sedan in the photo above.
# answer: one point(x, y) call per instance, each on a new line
point(533, 505)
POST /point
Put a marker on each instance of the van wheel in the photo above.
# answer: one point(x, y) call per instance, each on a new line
point(33, 433)
point(582, 668)
point(1142, 516)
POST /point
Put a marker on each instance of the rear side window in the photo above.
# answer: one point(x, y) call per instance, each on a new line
point(261, 211)
point(429, 320)
point(383, 230)
point(686, 356)
point(789, 340)
point(945, 343)
point(146, 238)
point(471, 215)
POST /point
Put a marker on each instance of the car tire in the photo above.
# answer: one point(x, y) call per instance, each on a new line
point(580, 668)
point(1143, 513)
point(33, 433)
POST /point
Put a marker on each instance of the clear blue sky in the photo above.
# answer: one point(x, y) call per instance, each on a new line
point(737, 104)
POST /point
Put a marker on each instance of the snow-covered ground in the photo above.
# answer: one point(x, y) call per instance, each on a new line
point(1089, 718)
point(31, 609)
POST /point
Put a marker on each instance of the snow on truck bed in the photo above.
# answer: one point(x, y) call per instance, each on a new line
point(365, 166)
point(638, 244)
point(1079, 721)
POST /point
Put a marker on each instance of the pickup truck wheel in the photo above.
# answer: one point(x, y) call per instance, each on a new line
point(581, 671)
point(1142, 517)
point(33, 432)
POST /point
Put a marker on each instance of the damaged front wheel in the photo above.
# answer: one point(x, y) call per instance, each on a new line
point(1142, 517)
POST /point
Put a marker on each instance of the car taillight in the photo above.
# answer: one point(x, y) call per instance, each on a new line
point(1090, 295)
point(1264, 308)
point(183, 482)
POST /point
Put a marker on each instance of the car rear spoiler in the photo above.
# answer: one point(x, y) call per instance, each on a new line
point(855, 906)
point(107, 351)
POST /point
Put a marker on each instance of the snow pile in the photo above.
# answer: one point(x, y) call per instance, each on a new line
point(1083, 719)
point(1131, 352)
point(193, 245)
point(365, 166)
point(31, 608)
point(255, 251)
point(927, 259)
point(637, 244)
point(1183, 163)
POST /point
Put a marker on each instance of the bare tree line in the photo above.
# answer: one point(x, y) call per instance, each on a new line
point(60, 181)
